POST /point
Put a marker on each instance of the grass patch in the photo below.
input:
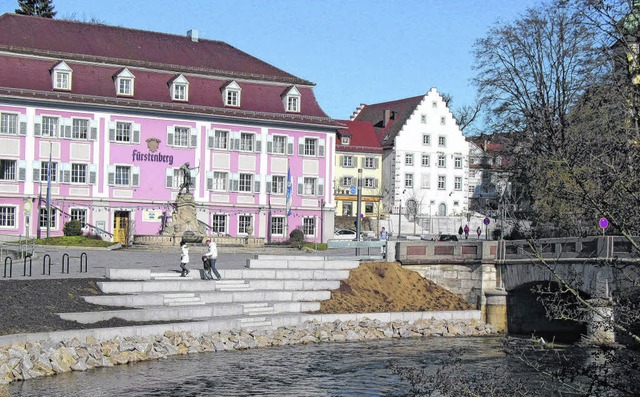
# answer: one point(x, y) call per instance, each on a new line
point(316, 246)
point(73, 241)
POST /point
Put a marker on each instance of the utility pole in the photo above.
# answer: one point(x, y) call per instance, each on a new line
point(399, 218)
point(358, 209)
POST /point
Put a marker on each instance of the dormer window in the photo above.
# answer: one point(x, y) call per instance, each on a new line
point(180, 89)
point(345, 140)
point(61, 77)
point(124, 83)
point(291, 99)
point(231, 94)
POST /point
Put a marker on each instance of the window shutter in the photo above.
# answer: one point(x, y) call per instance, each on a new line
point(23, 124)
point(375, 163)
point(136, 133)
point(269, 144)
point(375, 183)
point(210, 138)
point(67, 174)
point(268, 180)
point(170, 132)
point(233, 182)
point(235, 140)
point(94, 129)
point(290, 145)
point(301, 149)
point(61, 173)
point(22, 170)
point(256, 183)
point(92, 174)
point(320, 147)
point(300, 185)
point(258, 144)
point(194, 137)
point(112, 131)
point(37, 126)
point(169, 178)
point(36, 171)
point(209, 177)
point(135, 176)
point(193, 178)
point(111, 179)
point(67, 128)
point(320, 186)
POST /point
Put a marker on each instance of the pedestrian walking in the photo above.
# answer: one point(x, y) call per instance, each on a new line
point(466, 232)
point(384, 236)
point(211, 257)
point(184, 258)
point(479, 231)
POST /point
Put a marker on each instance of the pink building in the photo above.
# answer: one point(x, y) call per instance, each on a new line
point(117, 112)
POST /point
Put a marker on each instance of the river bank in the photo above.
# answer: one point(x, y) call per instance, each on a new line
point(32, 359)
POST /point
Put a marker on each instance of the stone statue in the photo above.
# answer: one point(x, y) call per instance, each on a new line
point(186, 177)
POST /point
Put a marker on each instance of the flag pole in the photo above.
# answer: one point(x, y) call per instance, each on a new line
point(49, 191)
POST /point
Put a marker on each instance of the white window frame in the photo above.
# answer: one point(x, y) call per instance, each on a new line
point(80, 215)
point(180, 89)
point(369, 183)
point(278, 184)
point(457, 183)
point(80, 179)
point(369, 162)
point(442, 141)
point(219, 223)
point(244, 222)
point(279, 142)
point(43, 215)
point(8, 170)
point(247, 141)
point(125, 83)
point(50, 126)
point(309, 226)
point(277, 225)
point(309, 186)
point(44, 164)
point(123, 131)
point(423, 118)
point(408, 159)
point(426, 140)
point(232, 95)
point(220, 181)
point(345, 140)
point(62, 77)
point(178, 133)
point(425, 181)
point(442, 161)
point(457, 162)
point(347, 161)
point(442, 182)
point(245, 183)
point(122, 175)
point(9, 123)
point(311, 147)
point(425, 161)
point(76, 125)
point(8, 215)
point(221, 139)
point(408, 181)
point(292, 101)
point(346, 181)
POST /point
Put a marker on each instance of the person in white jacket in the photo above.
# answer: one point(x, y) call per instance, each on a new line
point(184, 259)
point(212, 256)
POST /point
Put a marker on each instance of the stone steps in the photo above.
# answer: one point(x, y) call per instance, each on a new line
point(181, 299)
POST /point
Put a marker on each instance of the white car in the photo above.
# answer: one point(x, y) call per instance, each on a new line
point(344, 234)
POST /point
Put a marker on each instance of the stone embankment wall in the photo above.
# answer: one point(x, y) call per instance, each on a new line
point(23, 361)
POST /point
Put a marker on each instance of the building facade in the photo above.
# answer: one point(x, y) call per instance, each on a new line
point(358, 155)
point(105, 121)
point(425, 159)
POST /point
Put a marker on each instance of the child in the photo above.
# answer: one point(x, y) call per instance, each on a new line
point(184, 259)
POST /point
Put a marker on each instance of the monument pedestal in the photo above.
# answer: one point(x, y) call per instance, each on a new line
point(184, 224)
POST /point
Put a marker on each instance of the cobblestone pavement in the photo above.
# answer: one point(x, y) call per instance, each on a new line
point(158, 259)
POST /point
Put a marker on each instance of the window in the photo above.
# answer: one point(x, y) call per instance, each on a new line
point(181, 137)
point(310, 146)
point(472, 190)
point(425, 182)
point(292, 100)
point(277, 184)
point(457, 162)
point(124, 83)
point(244, 222)
point(309, 226)
point(61, 76)
point(246, 142)
point(220, 181)
point(442, 161)
point(347, 181)
point(246, 181)
point(426, 140)
point(122, 175)
point(178, 178)
point(368, 208)
point(8, 123)
point(42, 221)
point(78, 173)
point(442, 182)
point(219, 223)
point(277, 225)
point(180, 89)
point(50, 126)
point(44, 168)
point(123, 132)
point(408, 181)
point(408, 159)
point(442, 141)
point(423, 118)
point(345, 140)
point(8, 170)
point(426, 160)
point(231, 94)
point(80, 129)
point(221, 139)
point(443, 120)
point(434, 104)
point(79, 215)
point(457, 183)
point(7, 216)
point(309, 186)
point(369, 162)
point(347, 209)
point(347, 161)
point(279, 144)
point(370, 183)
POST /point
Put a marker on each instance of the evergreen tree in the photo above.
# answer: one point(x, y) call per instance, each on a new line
point(41, 8)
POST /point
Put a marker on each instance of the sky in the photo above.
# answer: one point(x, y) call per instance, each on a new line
point(358, 51)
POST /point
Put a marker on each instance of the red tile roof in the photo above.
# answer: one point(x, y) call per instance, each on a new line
point(362, 137)
point(374, 114)
point(130, 47)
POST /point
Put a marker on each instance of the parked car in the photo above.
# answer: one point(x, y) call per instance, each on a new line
point(447, 237)
point(344, 234)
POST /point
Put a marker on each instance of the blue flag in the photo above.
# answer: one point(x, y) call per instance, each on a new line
point(289, 190)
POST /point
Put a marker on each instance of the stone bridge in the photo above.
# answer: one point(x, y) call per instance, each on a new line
point(497, 276)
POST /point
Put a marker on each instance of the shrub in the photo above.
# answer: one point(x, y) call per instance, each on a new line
point(296, 238)
point(72, 228)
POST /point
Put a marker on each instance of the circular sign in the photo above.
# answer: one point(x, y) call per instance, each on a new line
point(352, 189)
point(604, 223)
point(486, 221)
point(27, 206)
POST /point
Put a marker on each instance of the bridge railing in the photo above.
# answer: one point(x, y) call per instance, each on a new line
point(593, 247)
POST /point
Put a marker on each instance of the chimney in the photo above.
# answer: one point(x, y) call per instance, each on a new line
point(193, 33)
point(386, 118)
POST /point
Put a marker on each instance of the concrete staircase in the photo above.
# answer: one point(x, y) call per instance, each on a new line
point(268, 287)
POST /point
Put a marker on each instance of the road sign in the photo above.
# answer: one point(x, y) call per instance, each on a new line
point(486, 221)
point(604, 223)
point(352, 189)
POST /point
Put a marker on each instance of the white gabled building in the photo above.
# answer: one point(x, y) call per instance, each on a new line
point(425, 161)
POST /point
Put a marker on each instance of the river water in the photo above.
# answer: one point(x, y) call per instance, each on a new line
point(326, 369)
